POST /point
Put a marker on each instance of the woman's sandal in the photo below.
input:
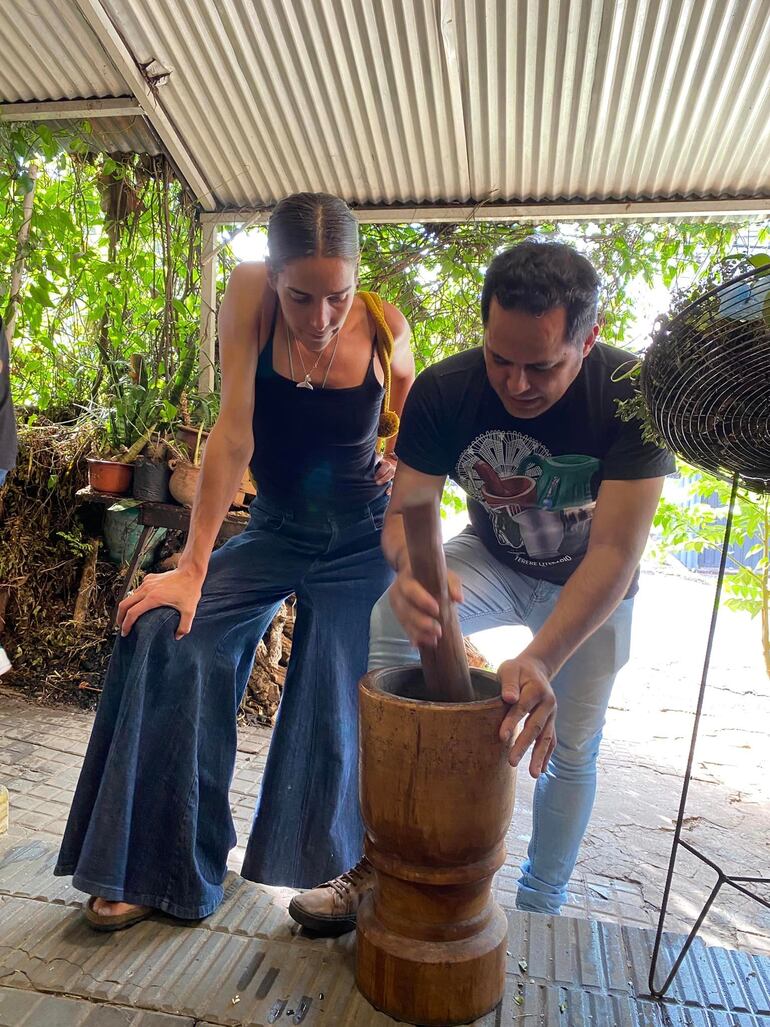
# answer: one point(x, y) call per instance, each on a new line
point(115, 922)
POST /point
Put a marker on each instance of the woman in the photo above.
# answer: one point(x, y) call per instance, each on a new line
point(302, 398)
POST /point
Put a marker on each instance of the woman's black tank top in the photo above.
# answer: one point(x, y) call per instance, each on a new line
point(314, 449)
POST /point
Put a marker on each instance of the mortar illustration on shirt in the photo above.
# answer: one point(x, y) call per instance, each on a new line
point(538, 503)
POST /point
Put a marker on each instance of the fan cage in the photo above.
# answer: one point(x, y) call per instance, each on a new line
point(705, 380)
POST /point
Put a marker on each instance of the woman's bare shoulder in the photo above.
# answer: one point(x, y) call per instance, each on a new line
point(241, 310)
point(397, 323)
point(249, 274)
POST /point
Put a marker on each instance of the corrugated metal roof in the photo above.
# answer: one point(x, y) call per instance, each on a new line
point(49, 53)
point(433, 101)
point(118, 135)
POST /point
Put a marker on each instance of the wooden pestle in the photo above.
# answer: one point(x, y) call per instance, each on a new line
point(445, 666)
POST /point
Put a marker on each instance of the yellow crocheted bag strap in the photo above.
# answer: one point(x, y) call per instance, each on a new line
point(389, 421)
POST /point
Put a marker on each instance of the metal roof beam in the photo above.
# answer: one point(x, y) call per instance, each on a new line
point(630, 210)
point(70, 110)
point(119, 53)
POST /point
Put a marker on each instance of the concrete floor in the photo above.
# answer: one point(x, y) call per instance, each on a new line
point(54, 973)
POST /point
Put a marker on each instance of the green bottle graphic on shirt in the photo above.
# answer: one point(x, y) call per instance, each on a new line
point(564, 481)
point(540, 507)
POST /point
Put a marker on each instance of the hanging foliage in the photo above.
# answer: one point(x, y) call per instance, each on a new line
point(110, 270)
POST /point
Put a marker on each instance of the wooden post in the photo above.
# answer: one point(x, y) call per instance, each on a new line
point(208, 328)
point(86, 587)
point(17, 273)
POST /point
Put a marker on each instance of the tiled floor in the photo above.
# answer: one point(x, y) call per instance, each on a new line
point(248, 964)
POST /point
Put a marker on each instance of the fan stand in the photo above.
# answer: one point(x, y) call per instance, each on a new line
point(739, 883)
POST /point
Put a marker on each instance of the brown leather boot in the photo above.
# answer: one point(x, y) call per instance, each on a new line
point(331, 908)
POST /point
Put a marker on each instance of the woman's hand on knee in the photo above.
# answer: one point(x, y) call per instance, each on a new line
point(180, 589)
point(532, 704)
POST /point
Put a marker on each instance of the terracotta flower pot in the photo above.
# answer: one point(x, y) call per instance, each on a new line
point(110, 476)
point(183, 481)
point(436, 799)
point(188, 436)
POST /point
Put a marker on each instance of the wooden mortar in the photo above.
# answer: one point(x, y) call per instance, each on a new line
point(436, 799)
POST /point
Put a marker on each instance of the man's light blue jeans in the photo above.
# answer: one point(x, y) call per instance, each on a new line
point(494, 596)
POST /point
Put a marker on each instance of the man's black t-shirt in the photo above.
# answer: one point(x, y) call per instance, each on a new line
point(531, 483)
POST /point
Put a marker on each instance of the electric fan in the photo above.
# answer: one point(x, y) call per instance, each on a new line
point(705, 381)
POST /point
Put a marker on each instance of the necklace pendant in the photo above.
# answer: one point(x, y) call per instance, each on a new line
point(305, 383)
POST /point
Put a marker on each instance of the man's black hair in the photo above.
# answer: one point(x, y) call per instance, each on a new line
point(539, 276)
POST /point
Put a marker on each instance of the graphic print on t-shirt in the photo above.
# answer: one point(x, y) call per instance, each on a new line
point(540, 506)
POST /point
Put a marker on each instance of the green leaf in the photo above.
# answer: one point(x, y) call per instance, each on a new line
point(38, 293)
point(26, 183)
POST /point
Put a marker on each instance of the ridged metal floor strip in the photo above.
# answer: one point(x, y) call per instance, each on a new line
point(28, 1009)
point(248, 965)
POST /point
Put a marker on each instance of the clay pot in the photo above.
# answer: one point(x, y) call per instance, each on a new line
point(188, 436)
point(183, 481)
point(109, 476)
point(436, 797)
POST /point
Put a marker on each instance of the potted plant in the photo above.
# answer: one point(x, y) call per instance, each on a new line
point(185, 468)
point(138, 406)
point(152, 472)
point(119, 441)
point(197, 415)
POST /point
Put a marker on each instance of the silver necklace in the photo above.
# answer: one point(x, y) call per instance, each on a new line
point(305, 383)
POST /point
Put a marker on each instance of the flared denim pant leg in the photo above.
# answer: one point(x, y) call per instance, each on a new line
point(150, 822)
point(307, 826)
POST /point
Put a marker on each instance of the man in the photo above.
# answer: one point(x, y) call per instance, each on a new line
point(8, 443)
point(561, 496)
